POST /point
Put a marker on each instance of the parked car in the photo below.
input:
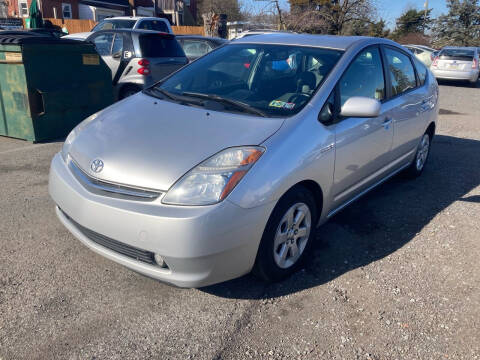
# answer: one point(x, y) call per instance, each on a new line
point(457, 63)
point(127, 22)
point(424, 53)
point(137, 58)
point(40, 32)
point(231, 163)
point(247, 33)
point(196, 46)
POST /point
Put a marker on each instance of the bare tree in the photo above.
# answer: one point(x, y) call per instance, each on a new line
point(328, 16)
point(275, 8)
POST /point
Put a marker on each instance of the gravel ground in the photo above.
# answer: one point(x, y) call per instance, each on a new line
point(394, 276)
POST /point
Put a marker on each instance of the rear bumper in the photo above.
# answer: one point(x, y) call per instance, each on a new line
point(471, 75)
point(201, 245)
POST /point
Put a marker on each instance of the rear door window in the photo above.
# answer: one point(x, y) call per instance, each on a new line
point(364, 77)
point(114, 24)
point(400, 70)
point(117, 44)
point(160, 46)
point(421, 71)
point(196, 48)
point(103, 44)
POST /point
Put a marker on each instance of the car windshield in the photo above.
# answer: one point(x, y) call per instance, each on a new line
point(273, 80)
point(456, 54)
point(114, 24)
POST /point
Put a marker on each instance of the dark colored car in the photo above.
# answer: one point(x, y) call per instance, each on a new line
point(40, 32)
point(196, 46)
point(138, 58)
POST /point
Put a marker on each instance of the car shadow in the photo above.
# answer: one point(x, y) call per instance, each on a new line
point(378, 224)
point(458, 83)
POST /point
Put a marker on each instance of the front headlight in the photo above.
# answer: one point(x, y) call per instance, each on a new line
point(215, 178)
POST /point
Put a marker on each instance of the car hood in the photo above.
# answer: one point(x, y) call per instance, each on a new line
point(150, 143)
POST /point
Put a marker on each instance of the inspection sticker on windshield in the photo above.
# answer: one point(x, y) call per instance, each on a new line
point(281, 104)
point(90, 59)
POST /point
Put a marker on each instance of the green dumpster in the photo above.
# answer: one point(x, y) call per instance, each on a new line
point(48, 85)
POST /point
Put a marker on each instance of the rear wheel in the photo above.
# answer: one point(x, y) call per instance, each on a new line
point(421, 157)
point(288, 236)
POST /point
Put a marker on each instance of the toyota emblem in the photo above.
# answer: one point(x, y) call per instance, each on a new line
point(96, 165)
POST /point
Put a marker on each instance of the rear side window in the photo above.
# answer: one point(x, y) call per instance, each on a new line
point(160, 46)
point(156, 25)
point(456, 54)
point(421, 71)
point(364, 77)
point(114, 24)
point(195, 48)
point(400, 70)
point(103, 44)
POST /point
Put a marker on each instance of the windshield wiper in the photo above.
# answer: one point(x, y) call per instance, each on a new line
point(165, 93)
point(235, 103)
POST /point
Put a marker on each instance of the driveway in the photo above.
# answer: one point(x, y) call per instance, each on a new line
point(394, 276)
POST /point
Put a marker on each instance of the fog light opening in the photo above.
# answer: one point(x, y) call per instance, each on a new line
point(160, 261)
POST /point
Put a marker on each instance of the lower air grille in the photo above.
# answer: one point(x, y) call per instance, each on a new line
point(114, 245)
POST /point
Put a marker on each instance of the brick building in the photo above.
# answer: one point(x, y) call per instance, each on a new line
point(179, 12)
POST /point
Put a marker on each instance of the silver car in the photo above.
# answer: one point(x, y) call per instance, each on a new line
point(457, 63)
point(137, 58)
point(230, 164)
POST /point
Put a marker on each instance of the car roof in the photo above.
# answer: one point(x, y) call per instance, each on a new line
point(133, 31)
point(200, 37)
point(323, 41)
point(135, 18)
point(460, 47)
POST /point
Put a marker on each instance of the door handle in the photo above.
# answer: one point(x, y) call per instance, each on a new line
point(387, 122)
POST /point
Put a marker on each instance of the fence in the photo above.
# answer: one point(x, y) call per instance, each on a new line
point(75, 26)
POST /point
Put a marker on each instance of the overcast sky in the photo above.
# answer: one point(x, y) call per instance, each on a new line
point(387, 9)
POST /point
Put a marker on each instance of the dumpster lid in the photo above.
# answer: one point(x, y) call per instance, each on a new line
point(26, 37)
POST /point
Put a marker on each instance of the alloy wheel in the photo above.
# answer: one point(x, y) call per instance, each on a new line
point(292, 235)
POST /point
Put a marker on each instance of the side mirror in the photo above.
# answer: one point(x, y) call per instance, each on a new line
point(359, 106)
point(326, 114)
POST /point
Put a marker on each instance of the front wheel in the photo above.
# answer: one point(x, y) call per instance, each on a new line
point(288, 236)
point(421, 157)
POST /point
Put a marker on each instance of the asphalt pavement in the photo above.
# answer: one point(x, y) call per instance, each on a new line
point(394, 276)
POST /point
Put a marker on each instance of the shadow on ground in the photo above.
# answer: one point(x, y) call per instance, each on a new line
point(378, 224)
point(458, 83)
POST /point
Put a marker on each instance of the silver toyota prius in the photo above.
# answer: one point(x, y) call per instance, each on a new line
point(231, 164)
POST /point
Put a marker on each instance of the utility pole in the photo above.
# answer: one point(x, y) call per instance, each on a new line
point(425, 16)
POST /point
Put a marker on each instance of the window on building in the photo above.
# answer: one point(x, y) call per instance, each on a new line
point(23, 8)
point(67, 11)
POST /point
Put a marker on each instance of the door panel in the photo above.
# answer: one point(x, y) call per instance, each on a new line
point(362, 148)
point(362, 145)
point(409, 106)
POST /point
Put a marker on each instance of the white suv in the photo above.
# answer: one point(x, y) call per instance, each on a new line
point(127, 22)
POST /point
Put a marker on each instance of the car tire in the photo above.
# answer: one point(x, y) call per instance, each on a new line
point(129, 90)
point(421, 156)
point(286, 244)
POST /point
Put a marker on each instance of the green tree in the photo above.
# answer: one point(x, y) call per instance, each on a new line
point(412, 21)
point(378, 29)
point(460, 26)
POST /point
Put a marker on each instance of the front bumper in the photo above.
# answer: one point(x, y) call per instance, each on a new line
point(471, 75)
point(201, 245)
